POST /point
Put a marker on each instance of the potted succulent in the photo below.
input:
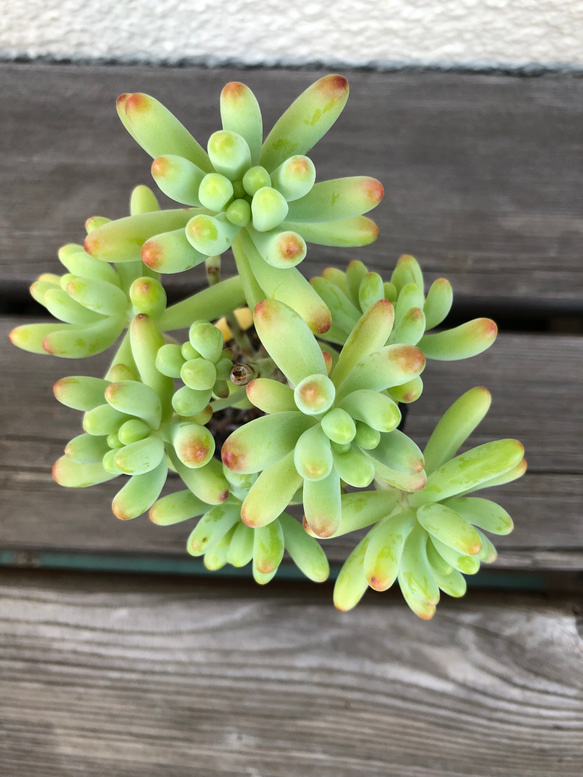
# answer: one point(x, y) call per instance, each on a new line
point(313, 374)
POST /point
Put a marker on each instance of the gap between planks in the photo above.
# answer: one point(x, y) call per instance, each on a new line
point(483, 174)
point(535, 381)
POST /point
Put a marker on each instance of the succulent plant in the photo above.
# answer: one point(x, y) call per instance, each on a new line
point(303, 381)
point(93, 299)
point(349, 294)
point(96, 300)
point(261, 199)
point(428, 539)
point(221, 537)
point(130, 428)
point(322, 430)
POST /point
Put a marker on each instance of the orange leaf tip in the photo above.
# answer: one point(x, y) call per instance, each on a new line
point(119, 512)
point(234, 90)
point(374, 190)
point(333, 86)
point(232, 458)
point(91, 245)
point(193, 452)
point(47, 345)
point(152, 254)
point(161, 166)
point(137, 103)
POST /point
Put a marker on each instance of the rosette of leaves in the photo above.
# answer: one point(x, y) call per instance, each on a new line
point(221, 537)
point(331, 424)
point(202, 364)
point(95, 300)
point(259, 197)
point(130, 428)
point(428, 540)
point(348, 294)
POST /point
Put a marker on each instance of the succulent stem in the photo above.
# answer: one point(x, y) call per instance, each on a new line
point(233, 399)
point(240, 336)
point(123, 355)
point(213, 269)
point(251, 289)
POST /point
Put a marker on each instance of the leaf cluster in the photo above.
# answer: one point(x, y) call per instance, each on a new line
point(326, 366)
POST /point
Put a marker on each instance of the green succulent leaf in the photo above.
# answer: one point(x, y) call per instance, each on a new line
point(351, 582)
point(288, 340)
point(385, 548)
point(342, 198)
point(305, 551)
point(470, 470)
point(307, 120)
point(268, 547)
point(466, 340)
point(455, 426)
point(122, 240)
point(75, 474)
point(176, 508)
point(240, 113)
point(211, 528)
point(271, 493)
point(264, 441)
point(140, 493)
point(157, 130)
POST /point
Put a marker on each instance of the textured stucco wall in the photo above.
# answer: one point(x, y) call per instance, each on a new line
point(472, 33)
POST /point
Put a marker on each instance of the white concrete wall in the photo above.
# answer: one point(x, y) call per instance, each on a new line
point(470, 33)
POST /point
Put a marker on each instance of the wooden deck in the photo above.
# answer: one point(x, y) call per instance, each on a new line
point(108, 671)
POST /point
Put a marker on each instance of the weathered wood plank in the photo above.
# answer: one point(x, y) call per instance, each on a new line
point(535, 381)
point(483, 174)
point(38, 515)
point(126, 676)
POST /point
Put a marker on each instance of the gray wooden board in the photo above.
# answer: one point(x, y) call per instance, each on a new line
point(483, 174)
point(125, 676)
point(535, 381)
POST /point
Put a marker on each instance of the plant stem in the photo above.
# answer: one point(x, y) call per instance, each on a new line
point(213, 270)
point(234, 398)
point(123, 355)
point(251, 289)
point(240, 336)
point(213, 275)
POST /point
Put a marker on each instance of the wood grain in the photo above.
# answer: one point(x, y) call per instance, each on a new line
point(127, 676)
point(38, 516)
point(483, 174)
point(535, 381)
